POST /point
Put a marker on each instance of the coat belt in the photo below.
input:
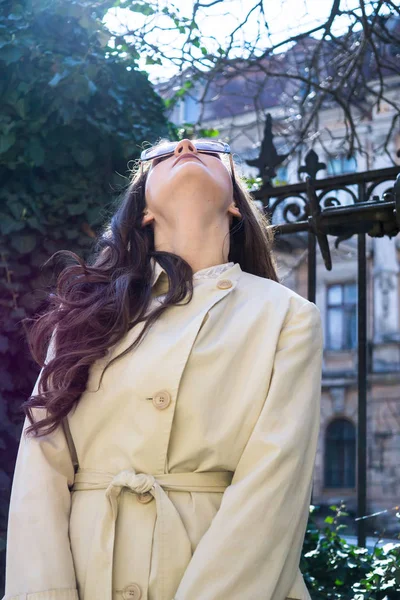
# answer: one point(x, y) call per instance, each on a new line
point(170, 536)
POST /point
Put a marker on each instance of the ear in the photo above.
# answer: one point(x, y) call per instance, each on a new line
point(147, 218)
point(234, 211)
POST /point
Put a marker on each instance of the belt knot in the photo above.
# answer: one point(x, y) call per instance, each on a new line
point(140, 483)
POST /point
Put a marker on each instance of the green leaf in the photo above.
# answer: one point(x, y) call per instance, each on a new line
point(93, 215)
point(20, 107)
point(103, 37)
point(78, 88)
point(83, 157)
point(7, 141)
point(10, 53)
point(34, 223)
point(71, 234)
point(187, 85)
point(70, 61)
point(76, 209)
point(86, 22)
point(329, 519)
point(9, 225)
point(16, 208)
point(209, 133)
point(204, 50)
point(72, 9)
point(35, 152)
point(153, 61)
point(23, 243)
point(92, 87)
point(58, 77)
point(116, 96)
point(144, 9)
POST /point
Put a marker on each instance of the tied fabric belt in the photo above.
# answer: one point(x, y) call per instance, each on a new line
point(170, 535)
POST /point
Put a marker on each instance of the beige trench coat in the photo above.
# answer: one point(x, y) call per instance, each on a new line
point(195, 456)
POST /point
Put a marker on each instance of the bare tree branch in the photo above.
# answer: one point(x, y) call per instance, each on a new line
point(319, 69)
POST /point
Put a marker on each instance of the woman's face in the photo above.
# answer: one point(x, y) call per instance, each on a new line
point(199, 185)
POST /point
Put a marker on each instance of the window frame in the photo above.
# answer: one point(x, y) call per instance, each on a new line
point(345, 308)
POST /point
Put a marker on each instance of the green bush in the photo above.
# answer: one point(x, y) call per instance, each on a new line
point(334, 569)
point(73, 114)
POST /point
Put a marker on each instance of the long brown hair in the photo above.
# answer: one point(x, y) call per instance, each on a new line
point(95, 303)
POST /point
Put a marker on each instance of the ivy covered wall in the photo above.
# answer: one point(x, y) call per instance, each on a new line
point(73, 113)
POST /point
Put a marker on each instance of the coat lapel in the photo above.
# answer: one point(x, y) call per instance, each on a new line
point(176, 332)
point(170, 344)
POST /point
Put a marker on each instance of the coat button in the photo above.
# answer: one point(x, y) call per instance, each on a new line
point(145, 498)
point(162, 399)
point(224, 284)
point(132, 592)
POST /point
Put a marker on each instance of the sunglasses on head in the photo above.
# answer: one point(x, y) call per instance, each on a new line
point(203, 146)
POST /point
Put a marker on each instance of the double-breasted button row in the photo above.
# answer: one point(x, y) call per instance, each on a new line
point(132, 592)
point(224, 284)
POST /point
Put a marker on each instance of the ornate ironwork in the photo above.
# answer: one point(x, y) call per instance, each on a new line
point(318, 205)
point(268, 159)
point(340, 206)
point(312, 165)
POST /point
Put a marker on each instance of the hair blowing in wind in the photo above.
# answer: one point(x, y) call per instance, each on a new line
point(95, 303)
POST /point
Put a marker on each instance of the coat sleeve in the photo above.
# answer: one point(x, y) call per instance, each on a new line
point(252, 548)
point(39, 562)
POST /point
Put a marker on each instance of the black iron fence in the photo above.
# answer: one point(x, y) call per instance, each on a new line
point(341, 206)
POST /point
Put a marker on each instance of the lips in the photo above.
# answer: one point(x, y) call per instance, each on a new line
point(187, 156)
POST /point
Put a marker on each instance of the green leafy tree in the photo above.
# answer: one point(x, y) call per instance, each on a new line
point(72, 117)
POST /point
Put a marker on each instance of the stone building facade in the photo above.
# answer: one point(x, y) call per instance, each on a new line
point(336, 297)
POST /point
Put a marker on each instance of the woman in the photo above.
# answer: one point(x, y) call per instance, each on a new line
point(182, 470)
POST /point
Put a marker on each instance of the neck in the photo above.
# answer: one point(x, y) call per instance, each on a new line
point(201, 246)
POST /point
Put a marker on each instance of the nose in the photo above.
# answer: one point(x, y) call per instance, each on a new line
point(185, 146)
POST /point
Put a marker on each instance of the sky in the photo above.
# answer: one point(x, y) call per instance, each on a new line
point(284, 18)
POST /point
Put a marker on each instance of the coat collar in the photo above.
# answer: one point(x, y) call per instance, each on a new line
point(160, 276)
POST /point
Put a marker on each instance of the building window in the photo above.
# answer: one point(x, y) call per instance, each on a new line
point(191, 108)
point(341, 316)
point(340, 165)
point(340, 455)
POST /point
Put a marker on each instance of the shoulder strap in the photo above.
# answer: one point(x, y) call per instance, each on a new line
point(65, 424)
point(71, 444)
